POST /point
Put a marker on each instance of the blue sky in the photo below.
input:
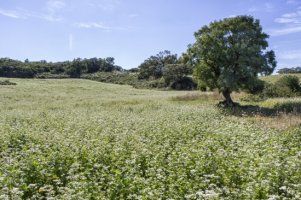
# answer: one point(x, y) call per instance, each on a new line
point(133, 30)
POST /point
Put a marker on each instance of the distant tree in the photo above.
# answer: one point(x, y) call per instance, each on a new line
point(293, 70)
point(133, 70)
point(153, 66)
point(108, 64)
point(175, 72)
point(230, 53)
point(110, 60)
point(75, 68)
point(92, 65)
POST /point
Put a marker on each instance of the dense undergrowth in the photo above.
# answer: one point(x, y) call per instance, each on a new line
point(80, 139)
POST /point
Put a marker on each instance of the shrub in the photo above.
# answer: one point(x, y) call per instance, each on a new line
point(286, 86)
point(185, 83)
point(175, 72)
point(292, 82)
point(7, 82)
point(48, 75)
point(277, 90)
point(256, 87)
point(252, 98)
point(290, 106)
point(121, 78)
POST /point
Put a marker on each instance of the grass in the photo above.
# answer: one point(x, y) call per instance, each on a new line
point(80, 139)
point(274, 78)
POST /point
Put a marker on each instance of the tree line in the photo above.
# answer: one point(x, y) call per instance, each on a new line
point(292, 70)
point(73, 69)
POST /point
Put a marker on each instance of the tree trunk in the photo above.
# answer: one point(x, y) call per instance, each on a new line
point(228, 100)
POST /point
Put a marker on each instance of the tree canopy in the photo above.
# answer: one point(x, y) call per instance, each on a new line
point(154, 65)
point(170, 71)
point(230, 53)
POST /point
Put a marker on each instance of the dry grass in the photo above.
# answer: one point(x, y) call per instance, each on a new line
point(203, 96)
point(281, 122)
point(274, 78)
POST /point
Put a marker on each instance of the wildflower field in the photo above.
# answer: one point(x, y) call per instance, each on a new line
point(79, 139)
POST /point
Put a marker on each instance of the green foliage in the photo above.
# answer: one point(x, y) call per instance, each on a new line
point(7, 82)
point(122, 78)
point(229, 54)
point(256, 86)
point(152, 68)
point(175, 72)
point(253, 98)
point(289, 106)
point(292, 70)
point(27, 69)
point(183, 83)
point(165, 70)
point(292, 82)
point(286, 86)
point(48, 75)
point(284, 105)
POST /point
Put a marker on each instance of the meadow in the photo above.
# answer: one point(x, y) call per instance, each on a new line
point(80, 139)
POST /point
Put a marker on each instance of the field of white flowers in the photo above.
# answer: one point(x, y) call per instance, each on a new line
point(79, 139)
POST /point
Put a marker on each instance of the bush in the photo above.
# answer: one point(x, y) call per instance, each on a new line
point(185, 83)
point(175, 72)
point(48, 75)
point(256, 87)
point(292, 82)
point(290, 106)
point(286, 86)
point(7, 82)
point(252, 98)
point(121, 78)
point(276, 90)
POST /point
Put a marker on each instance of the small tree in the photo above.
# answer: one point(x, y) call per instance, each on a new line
point(229, 54)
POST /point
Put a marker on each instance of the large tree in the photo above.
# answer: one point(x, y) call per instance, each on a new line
point(230, 53)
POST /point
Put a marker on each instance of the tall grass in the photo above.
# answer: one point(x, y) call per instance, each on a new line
point(79, 139)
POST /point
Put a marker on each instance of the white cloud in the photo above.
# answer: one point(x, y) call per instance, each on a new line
point(291, 15)
point(53, 7)
point(11, 14)
point(133, 15)
point(70, 42)
point(285, 31)
point(97, 25)
point(105, 5)
point(292, 1)
point(289, 18)
point(291, 23)
point(285, 20)
point(233, 15)
point(267, 7)
point(91, 25)
point(50, 13)
point(290, 55)
point(253, 9)
point(50, 18)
